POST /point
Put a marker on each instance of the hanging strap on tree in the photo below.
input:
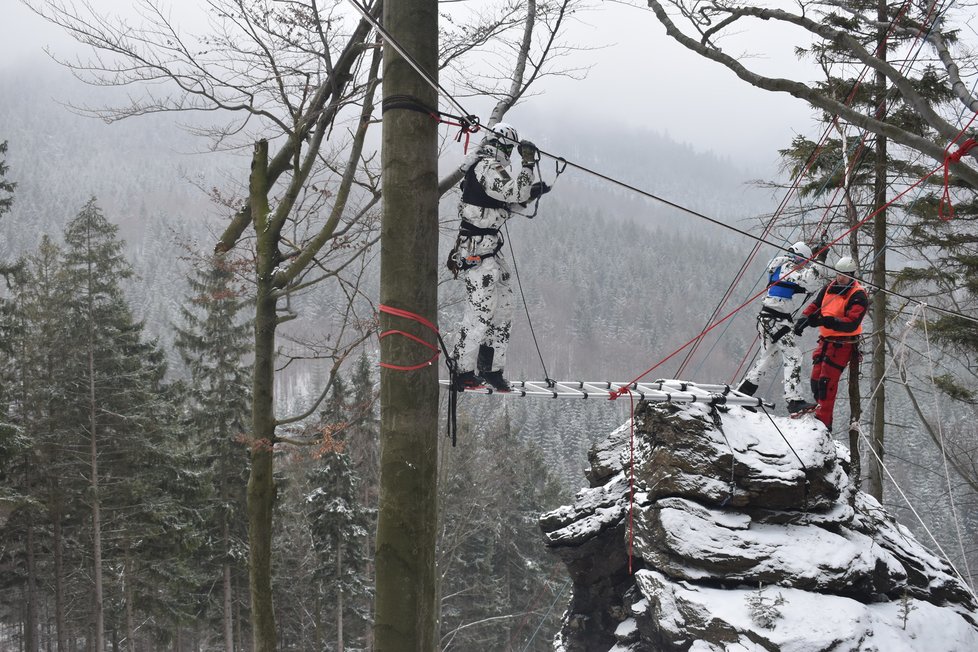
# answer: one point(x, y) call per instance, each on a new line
point(952, 157)
point(449, 361)
point(469, 124)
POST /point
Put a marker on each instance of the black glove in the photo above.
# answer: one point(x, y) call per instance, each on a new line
point(830, 322)
point(801, 324)
point(538, 188)
point(529, 153)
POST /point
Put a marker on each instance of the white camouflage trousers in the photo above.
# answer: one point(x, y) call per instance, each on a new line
point(768, 328)
point(488, 314)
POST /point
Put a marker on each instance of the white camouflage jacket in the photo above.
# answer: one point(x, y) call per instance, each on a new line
point(492, 171)
point(798, 283)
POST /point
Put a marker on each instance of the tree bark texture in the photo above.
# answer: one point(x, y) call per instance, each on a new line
point(97, 602)
point(878, 382)
point(31, 642)
point(60, 618)
point(406, 611)
point(261, 483)
point(228, 593)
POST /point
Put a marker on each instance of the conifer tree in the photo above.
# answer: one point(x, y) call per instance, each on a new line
point(7, 326)
point(339, 524)
point(41, 339)
point(122, 416)
point(495, 578)
point(215, 342)
point(6, 201)
point(857, 169)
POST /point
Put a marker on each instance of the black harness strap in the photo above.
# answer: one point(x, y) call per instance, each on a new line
point(469, 124)
point(467, 230)
point(822, 355)
point(408, 103)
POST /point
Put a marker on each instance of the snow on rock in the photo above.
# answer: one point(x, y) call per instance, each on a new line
point(745, 535)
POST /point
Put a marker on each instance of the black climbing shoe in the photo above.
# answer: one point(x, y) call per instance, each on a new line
point(747, 387)
point(469, 380)
point(495, 380)
point(798, 407)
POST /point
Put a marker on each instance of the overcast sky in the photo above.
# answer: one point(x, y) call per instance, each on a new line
point(639, 77)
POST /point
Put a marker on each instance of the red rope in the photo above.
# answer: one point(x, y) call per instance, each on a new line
point(952, 157)
point(797, 180)
point(467, 128)
point(615, 394)
point(397, 312)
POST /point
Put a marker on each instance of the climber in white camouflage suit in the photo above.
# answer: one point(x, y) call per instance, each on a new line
point(490, 193)
point(789, 275)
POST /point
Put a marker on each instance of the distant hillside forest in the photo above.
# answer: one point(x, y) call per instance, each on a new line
point(125, 352)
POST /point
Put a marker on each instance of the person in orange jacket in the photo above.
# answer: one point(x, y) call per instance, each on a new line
point(838, 310)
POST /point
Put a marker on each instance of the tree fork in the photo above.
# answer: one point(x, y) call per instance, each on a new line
point(406, 612)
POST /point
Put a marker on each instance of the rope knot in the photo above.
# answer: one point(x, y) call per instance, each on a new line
point(949, 158)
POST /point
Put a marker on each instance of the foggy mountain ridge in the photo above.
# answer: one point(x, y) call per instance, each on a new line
point(140, 169)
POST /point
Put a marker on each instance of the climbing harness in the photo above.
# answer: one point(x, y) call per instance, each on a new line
point(457, 262)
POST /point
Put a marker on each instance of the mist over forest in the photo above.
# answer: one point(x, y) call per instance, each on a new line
point(612, 282)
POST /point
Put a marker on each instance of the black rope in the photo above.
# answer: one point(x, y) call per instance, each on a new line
point(406, 102)
point(718, 423)
point(516, 272)
point(804, 468)
point(434, 84)
point(452, 415)
point(559, 166)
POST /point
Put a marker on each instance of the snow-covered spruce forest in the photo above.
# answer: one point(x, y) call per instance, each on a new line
point(129, 213)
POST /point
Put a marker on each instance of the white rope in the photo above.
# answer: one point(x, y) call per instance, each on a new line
point(546, 615)
point(947, 557)
point(947, 471)
point(899, 358)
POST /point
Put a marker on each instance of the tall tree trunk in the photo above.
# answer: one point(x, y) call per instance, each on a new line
point(261, 482)
point(99, 614)
point(240, 629)
point(61, 622)
point(339, 595)
point(856, 414)
point(228, 595)
point(128, 579)
point(879, 279)
point(31, 642)
point(406, 613)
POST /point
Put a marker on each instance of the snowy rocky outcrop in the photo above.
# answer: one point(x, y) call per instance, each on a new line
point(742, 538)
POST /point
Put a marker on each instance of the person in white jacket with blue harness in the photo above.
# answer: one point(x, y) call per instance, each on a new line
point(789, 276)
point(490, 193)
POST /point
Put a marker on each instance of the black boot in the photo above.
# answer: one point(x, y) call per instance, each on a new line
point(798, 407)
point(496, 381)
point(747, 387)
point(486, 354)
point(468, 380)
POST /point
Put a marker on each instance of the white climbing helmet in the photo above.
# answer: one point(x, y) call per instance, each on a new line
point(846, 265)
point(504, 134)
point(801, 250)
